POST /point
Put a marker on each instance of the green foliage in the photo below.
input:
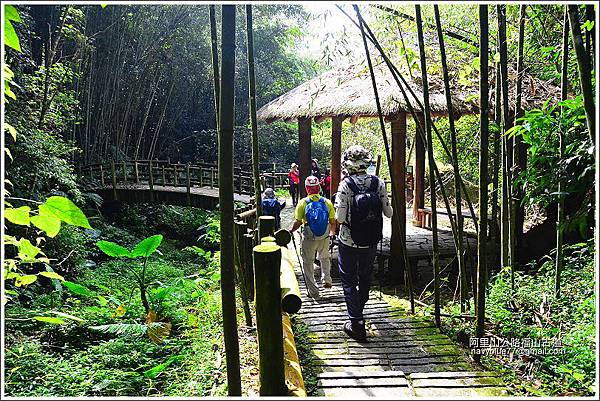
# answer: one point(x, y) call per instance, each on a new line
point(532, 312)
point(576, 169)
point(10, 36)
point(22, 253)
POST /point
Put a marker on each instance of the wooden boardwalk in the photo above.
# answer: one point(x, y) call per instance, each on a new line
point(202, 197)
point(405, 356)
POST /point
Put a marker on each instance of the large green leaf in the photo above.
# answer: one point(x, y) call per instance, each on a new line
point(67, 211)
point(114, 250)
point(25, 280)
point(50, 224)
point(11, 13)
point(67, 316)
point(146, 247)
point(155, 371)
point(78, 289)
point(18, 216)
point(27, 251)
point(10, 36)
point(52, 275)
point(46, 319)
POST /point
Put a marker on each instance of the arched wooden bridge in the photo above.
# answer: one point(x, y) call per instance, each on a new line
point(173, 183)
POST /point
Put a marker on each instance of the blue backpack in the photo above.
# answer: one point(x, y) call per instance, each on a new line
point(271, 207)
point(317, 216)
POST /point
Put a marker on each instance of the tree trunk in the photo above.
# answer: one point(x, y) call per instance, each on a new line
point(585, 77)
point(226, 124)
point(459, 218)
point(252, 101)
point(483, 175)
point(560, 219)
point(436, 266)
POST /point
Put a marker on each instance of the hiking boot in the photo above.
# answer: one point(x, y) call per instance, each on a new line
point(327, 285)
point(356, 331)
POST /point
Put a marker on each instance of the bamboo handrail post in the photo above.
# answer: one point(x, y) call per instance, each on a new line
point(150, 180)
point(188, 183)
point(164, 178)
point(136, 171)
point(113, 179)
point(175, 174)
point(267, 260)
point(249, 263)
point(212, 177)
point(201, 176)
point(124, 172)
point(240, 254)
point(102, 175)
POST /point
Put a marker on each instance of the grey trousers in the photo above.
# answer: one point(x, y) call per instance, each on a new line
point(320, 248)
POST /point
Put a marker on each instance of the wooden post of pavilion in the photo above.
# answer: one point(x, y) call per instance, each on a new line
point(399, 195)
point(419, 176)
point(336, 153)
point(304, 151)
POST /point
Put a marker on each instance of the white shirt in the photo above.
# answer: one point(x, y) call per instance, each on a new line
point(343, 203)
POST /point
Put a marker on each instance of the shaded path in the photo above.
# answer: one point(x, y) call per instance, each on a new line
point(405, 355)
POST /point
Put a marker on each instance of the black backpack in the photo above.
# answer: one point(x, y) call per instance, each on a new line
point(366, 221)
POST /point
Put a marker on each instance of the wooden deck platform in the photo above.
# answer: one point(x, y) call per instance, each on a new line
point(405, 356)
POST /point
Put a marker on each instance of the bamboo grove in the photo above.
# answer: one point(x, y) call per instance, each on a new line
point(508, 158)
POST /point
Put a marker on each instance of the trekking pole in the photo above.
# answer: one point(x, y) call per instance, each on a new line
point(299, 262)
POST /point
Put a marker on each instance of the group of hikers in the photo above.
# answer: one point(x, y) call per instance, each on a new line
point(355, 216)
point(294, 180)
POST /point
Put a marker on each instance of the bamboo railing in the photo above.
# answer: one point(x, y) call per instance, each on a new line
point(268, 276)
point(165, 173)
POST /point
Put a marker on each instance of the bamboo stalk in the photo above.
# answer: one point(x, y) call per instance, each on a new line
point(427, 110)
point(226, 122)
point(585, 76)
point(395, 203)
point(459, 218)
point(483, 174)
point(507, 242)
point(560, 222)
point(252, 103)
point(215, 61)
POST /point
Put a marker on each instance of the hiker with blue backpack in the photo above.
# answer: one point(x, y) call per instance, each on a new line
point(317, 215)
point(360, 201)
point(271, 206)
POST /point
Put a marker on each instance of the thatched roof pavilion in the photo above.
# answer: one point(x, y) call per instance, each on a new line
point(347, 93)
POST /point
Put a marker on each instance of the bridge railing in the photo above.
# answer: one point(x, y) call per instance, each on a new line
point(165, 173)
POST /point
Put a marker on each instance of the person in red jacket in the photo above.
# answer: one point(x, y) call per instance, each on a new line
point(326, 184)
point(294, 181)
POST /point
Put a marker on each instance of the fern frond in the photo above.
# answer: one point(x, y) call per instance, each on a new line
point(122, 329)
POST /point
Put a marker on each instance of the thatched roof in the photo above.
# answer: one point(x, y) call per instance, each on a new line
point(348, 92)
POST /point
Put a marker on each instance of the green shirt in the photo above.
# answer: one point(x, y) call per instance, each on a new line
point(300, 213)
